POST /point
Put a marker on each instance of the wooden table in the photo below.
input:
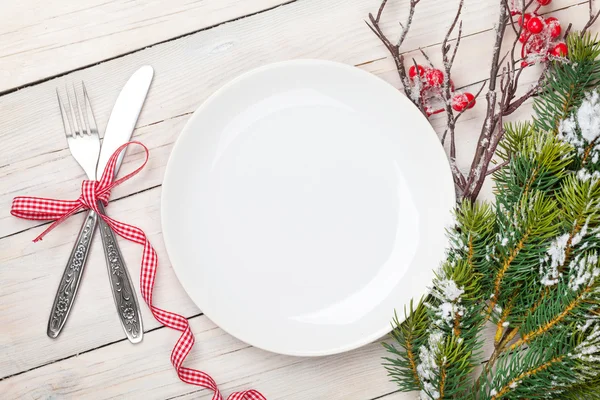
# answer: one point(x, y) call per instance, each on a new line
point(194, 47)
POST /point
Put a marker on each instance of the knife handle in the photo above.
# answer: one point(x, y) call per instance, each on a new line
point(69, 283)
point(120, 282)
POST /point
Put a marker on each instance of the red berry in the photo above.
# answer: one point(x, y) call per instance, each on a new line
point(412, 71)
point(535, 25)
point(460, 101)
point(524, 64)
point(470, 100)
point(524, 17)
point(554, 28)
point(559, 50)
point(434, 77)
point(535, 44)
point(524, 36)
point(544, 2)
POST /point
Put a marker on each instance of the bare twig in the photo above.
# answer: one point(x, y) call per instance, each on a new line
point(497, 167)
point(459, 179)
point(457, 43)
point(567, 31)
point(450, 122)
point(504, 58)
point(512, 107)
point(512, 22)
point(380, 11)
point(411, 13)
point(472, 101)
point(502, 86)
point(478, 166)
point(426, 57)
point(453, 25)
point(394, 49)
point(593, 18)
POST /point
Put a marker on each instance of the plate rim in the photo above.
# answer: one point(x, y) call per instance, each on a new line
point(436, 147)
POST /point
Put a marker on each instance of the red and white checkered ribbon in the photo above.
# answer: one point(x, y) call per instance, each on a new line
point(39, 208)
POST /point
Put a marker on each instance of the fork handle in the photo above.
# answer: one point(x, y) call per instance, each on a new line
point(69, 283)
point(120, 282)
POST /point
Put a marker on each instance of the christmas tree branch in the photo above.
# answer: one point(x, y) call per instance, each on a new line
point(529, 336)
point(505, 266)
point(527, 374)
point(410, 336)
point(568, 82)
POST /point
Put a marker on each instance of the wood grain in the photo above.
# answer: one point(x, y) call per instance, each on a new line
point(142, 371)
point(55, 172)
point(34, 160)
point(211, 58)
point(39, 39)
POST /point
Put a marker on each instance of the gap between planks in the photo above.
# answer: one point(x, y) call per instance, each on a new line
point(140, 191)
point(67, 72)
point(96, 348)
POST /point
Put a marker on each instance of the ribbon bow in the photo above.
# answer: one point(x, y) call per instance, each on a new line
point(39, 208)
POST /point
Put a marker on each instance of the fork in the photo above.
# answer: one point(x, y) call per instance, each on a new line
point(84, 143)
point(82, 135)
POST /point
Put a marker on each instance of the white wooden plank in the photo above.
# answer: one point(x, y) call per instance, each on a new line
point(39, 39)
point(22, 257)
point(143, 371)
point(34, 159)
point(26, 314)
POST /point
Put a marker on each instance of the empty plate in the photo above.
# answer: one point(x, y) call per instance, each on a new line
point(302, 203)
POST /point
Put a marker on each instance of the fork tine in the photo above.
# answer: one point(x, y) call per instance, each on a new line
point(64, 116)
point(73, 117)
point(81, 115)
point(89, 112)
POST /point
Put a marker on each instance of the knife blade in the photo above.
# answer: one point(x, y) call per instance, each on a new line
point(119, 129)
point(124, 116)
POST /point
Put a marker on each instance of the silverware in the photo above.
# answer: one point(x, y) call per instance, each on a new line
point(84, 143)
point(119, 130)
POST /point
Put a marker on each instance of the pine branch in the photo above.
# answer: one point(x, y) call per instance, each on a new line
point(409, 335)
point(526, 375)
point(566, 310)
point(567, 82)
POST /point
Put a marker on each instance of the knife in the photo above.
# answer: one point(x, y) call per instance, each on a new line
point(118, 131)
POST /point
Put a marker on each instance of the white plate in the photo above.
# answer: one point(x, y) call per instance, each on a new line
point(302, 203)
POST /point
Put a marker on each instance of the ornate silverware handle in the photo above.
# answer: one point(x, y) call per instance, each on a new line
point(120, 282)
point(69, 283)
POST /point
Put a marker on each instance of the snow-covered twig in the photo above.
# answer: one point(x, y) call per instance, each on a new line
point(394, 49)
point(446, 92)
point(502, 86)
point(485, 143)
